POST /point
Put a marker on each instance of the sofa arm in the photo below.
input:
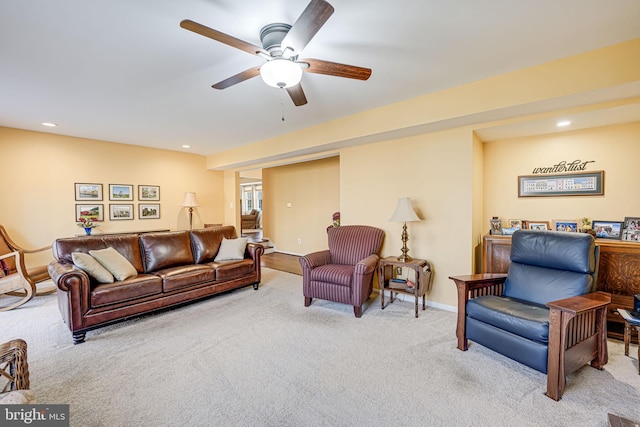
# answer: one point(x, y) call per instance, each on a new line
point(254, 251)
point(469, 287)
point(67, 276)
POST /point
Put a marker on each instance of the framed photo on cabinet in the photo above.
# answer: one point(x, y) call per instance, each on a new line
point(608, 229)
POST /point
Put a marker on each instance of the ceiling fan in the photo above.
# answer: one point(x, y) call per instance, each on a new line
point(281, 46)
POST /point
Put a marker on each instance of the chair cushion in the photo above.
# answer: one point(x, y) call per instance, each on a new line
point(18, 397)
point(554, 249)
point(542, 285)
point(518, 317)
point(333, 273)
point(113, 261)
point(349, 244)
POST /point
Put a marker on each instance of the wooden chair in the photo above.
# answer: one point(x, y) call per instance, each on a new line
point(32, 275)
point(15, 288)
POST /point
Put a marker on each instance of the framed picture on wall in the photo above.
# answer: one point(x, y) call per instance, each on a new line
point(120, 212)
point(120, 192)
point(89, 211)
point(148, 193)
point(148, 211)
point(567, 184)
point(538, 225)
point(88, 192)
point(608, 229)
point(570, 226)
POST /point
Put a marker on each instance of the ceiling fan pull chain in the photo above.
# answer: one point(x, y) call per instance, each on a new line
point(282, 102)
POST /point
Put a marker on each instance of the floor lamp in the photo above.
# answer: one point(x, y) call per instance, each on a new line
point(404, 213)
point(190, 202)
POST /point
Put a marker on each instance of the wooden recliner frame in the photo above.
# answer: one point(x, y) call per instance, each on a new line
point(577, 327)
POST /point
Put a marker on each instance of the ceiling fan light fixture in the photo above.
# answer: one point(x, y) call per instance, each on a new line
point(280, 72)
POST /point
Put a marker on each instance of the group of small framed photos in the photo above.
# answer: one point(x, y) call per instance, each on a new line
point(89, 193)
point(628, 230)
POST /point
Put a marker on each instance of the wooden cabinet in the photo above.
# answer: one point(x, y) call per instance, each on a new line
point(618, 273)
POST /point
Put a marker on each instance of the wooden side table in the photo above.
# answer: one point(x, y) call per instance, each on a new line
point(629, 325)
point(422, 270)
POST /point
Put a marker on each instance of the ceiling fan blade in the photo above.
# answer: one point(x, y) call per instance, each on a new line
point(318, 66)
point(221, 37)
point(307, 25)
point(297, 95)
point(240, 77)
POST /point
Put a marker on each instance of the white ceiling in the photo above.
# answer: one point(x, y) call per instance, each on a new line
point(124, 70)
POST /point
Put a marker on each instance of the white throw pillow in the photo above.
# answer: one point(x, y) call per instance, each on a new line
point(89, 264)
point(115, 262)
point(231, 249)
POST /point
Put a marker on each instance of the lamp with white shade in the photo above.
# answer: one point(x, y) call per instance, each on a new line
point(190, 201)
point(404, 213)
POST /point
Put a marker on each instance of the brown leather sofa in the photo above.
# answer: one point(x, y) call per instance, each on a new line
point(173, 268)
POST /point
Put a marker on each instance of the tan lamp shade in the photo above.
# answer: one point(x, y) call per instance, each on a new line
point(404, 212)
point(190, 200)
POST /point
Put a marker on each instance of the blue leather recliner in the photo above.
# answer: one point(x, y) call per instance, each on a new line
point(545, 312)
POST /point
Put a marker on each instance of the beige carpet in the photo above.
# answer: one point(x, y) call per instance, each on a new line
point(260, 358)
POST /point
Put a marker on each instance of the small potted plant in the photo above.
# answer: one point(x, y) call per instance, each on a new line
point(88, 224)
point(586, 226)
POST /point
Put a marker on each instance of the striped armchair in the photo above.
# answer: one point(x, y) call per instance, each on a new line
point(344, 272)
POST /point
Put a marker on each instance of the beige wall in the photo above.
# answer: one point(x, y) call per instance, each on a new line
point(313, 191)
point(436, 172)
point(39, 171)
point(615, 149)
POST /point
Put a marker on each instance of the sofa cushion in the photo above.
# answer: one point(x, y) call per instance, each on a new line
point(226, 270)
point(115, 262)
point(518, 317)
point(231, 249)
point(126, 244)
point(205, 243)
point(165, 250)
point(89, 264)
point(184, 276)
point(140, 286)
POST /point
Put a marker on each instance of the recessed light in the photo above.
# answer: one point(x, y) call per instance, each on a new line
point(186, 146)
point(563, 123)
point(51, 125)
